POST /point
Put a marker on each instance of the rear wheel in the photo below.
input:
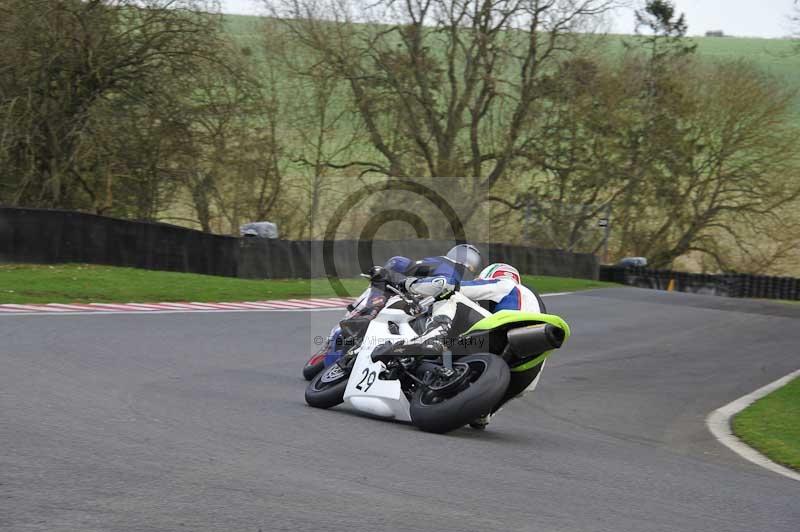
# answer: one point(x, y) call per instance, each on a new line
point(326, 389)
point(479, 384)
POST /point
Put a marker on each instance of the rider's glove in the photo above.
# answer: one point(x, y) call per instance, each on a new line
point(379, 275)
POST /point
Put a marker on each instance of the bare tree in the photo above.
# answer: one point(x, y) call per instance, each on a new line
point(61, 60)
point(712, 171)
point(569, 177)
point(234, 169)
point(326, 132)
point(736, 166)
point(316, 122)
point(442, 87)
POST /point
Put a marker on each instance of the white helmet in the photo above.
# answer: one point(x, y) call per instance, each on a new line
point(466, 254)
point(499, 270)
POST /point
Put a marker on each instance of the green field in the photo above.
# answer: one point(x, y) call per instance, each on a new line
point(82, 283)
point(778, 57)
point(772, 425)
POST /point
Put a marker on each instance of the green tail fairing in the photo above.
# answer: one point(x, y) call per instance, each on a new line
point(506, 317)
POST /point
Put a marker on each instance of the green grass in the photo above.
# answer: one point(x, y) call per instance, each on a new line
point(82, 283)
point(545, 284)
point(778, 57)
point(772, 425)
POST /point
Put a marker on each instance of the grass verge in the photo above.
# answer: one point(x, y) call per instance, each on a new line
point(772, 425)
point(546, 284)
point(83, 283)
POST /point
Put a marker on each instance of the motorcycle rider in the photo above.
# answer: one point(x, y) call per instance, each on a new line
point(459, 260)
point(498, 287)
point(520, 297)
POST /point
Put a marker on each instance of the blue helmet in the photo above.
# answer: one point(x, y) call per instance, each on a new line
point(398, 264)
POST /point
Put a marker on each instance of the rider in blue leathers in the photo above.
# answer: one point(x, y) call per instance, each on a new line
point(462, 260)
point(497, 288)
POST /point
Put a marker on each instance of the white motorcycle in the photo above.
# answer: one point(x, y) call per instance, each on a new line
point(438, 389)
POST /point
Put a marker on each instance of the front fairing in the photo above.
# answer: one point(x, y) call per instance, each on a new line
point(366, 391)
point(336, 347)
point(368, 304)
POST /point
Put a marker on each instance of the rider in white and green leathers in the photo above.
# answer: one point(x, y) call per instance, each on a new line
point(498, 287)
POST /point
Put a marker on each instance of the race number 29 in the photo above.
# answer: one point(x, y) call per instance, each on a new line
point(367, 380)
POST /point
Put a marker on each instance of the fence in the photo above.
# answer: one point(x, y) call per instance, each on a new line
point(52, 236)
point(728, 284)
point(347, 258)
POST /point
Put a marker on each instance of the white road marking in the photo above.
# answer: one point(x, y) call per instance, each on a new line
point(53, 307)
point(288, 304)
point(235, 306)
point(111, 307)
point(219, 306)
point(146, 306)
point(316, 302)
point(261, 305)
point(330, 301)
point(277, 305)
point(187, 306)
point(123, 307)
point(72, 307)
point(28, 308)
point(175, 311)
point(719, 423)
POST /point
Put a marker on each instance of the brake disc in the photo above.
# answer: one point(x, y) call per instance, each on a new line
point(334, 373)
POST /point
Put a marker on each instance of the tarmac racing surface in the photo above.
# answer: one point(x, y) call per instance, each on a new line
point(196, 422)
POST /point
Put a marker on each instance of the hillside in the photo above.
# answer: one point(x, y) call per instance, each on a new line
point(777, 57)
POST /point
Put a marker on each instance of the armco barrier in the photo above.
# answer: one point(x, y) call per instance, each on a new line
point(52, 236)
point(726, 284)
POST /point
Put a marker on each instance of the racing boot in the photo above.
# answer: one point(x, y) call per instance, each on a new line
point(481, 422)
point(430, 343)
point(434, 341)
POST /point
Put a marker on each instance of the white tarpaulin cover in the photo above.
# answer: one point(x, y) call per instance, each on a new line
point(259, 229)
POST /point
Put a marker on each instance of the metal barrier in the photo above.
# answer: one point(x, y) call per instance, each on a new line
point(302, 259)
point(725, 284)
point(48, 236)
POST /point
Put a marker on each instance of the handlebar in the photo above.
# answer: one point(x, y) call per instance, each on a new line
point(418, 305)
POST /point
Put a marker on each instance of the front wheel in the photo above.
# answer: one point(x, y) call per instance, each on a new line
point(327, 388)
point(481, 389)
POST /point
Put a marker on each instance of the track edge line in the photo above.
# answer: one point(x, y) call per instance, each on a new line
point(719, 424)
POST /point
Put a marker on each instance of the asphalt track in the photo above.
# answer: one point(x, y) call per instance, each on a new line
point(196, 422)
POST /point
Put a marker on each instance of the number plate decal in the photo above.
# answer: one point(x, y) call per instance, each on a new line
point(367, 380)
